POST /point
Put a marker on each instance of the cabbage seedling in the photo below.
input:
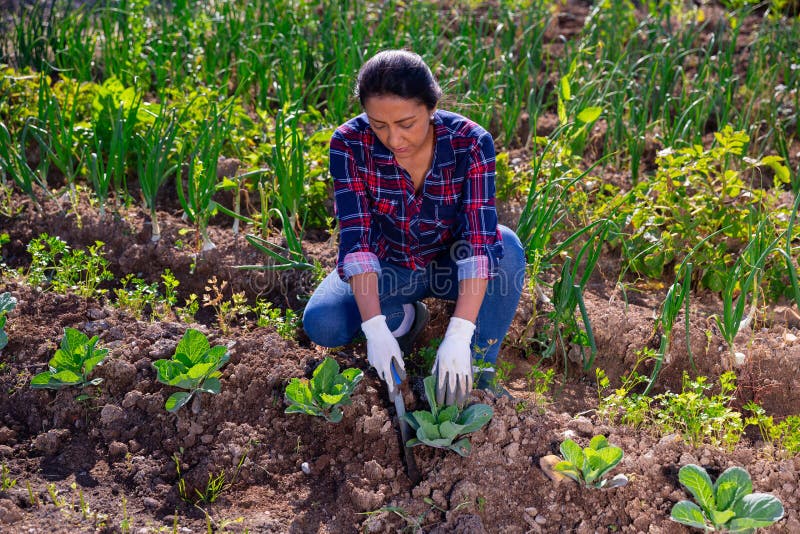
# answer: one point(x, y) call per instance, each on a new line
point(729, 504)
point(326, 392)
point(194, 366)
point(72, 363)
point(441, 426)
point(588, 465)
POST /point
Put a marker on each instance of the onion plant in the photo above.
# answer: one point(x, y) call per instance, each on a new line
point(201, 175)
point(156, 149)
point(55, 132)
point(14, 164)
point(743, 278)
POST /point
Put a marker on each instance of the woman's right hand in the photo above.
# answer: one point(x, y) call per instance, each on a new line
point(383, 350)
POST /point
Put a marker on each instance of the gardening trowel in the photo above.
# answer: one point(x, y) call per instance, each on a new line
point(396, 396)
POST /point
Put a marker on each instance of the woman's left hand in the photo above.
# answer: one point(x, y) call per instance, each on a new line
point(453, 366)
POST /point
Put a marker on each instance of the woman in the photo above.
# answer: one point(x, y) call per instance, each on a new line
point(415, 202)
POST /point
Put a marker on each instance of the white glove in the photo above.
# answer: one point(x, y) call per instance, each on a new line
point(453, 366)
point(383, 350)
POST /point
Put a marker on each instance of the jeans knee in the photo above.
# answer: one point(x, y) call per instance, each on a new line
point(325, 327)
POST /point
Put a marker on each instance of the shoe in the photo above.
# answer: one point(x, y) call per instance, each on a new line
point(487, 381)
point(421, 318)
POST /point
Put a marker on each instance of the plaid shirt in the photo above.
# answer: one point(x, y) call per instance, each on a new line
point(382, 218)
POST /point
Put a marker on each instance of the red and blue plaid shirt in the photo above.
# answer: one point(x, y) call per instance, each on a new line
point(382, 218)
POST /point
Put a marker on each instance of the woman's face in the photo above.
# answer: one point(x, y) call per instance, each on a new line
point(403, 125)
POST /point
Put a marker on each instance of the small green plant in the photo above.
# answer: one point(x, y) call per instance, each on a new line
point(783, 437)
point(72, 363)
point(700, 417)
point(588, 466)
point(126, 523)
point(540, 382)
point(136, 295)
point(58, 267)
point(285, 323)
point(6, 482)
point(7, 303)
point(632, 409)
point(194, 367)
point(326, 392)
point(442, 426)
point(729, 504)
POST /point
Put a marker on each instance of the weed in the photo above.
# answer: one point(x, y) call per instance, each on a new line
point(126, 524)
point(33, 499)
point(285, 323)
point(699, 417)
point(56, 266)
point(6, 482)
point(540, 382)
point(54, 497)
point(783, 437)
point(226, 310)
point(189, 309)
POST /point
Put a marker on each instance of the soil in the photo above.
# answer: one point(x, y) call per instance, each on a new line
point(117, 449)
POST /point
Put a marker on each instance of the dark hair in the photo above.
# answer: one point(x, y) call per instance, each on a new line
point(400, 73)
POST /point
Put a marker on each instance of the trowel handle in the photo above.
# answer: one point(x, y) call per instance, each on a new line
point(395, 375)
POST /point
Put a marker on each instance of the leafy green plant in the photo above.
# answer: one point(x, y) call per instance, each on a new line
point(62, 269)
point(72, 363)
point(285, 323)
point(783, 437)
point(442, 426)
point(195, 366)
point(728, 505)
point(700, 417)
point(588, 466)
point(326, 392)
point(7, 303)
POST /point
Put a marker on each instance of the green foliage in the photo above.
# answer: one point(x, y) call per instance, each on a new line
point(588, 466)
point(783, 437)
point(58, 267)
point(7, 303)
point(72, 363)
point(728, 505)
point(445, 426)
point(194, 367)
point(697, 416)
point(624, 405)
point(6, 482)
point(326, 392)
point(286, 323)
point(697, 192)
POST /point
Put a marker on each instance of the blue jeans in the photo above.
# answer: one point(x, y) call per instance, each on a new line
point(332, 319)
